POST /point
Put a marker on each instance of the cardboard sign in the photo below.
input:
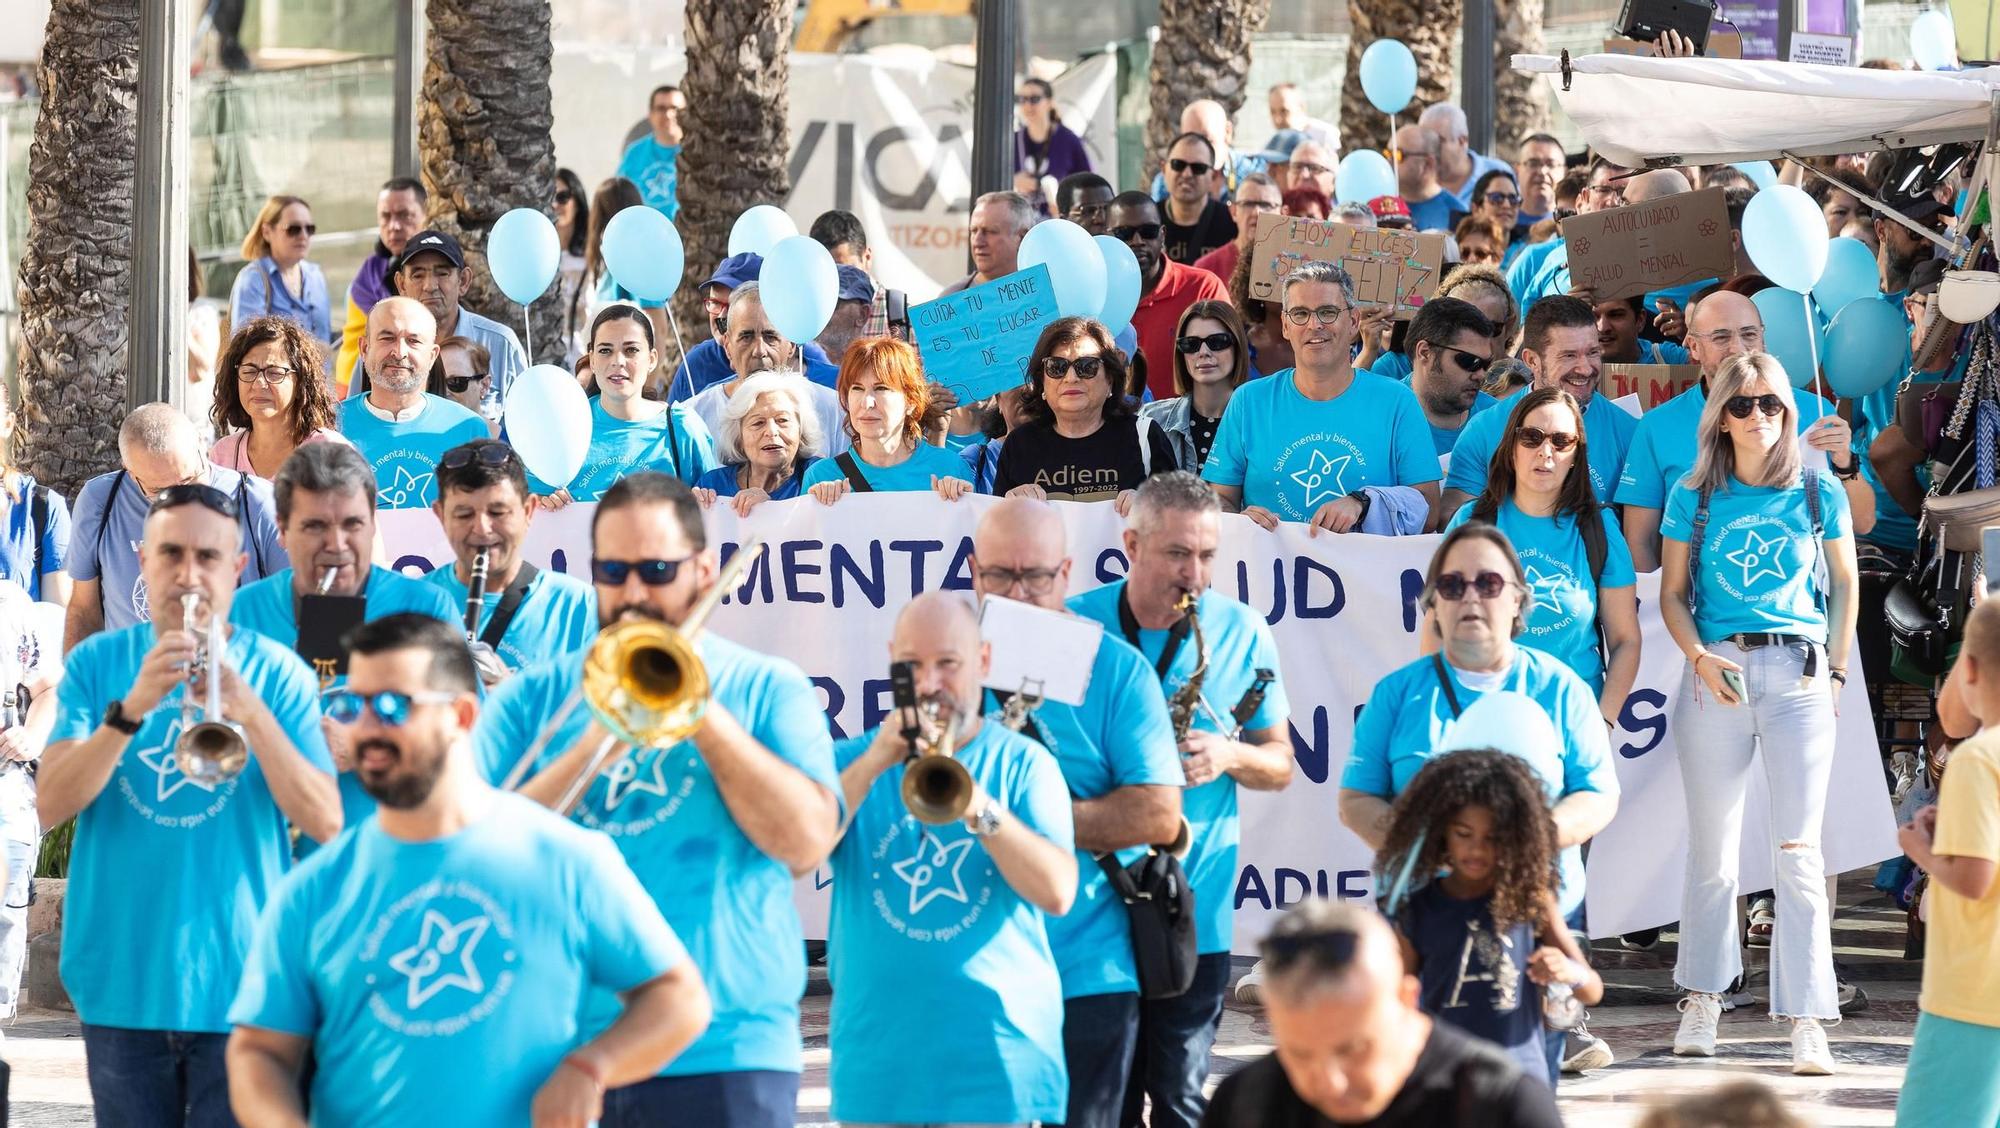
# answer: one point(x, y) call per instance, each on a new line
point(1652, 384)
point(1400, 269)
point(977, 342)
point(1827, 50)
point(1656, 245)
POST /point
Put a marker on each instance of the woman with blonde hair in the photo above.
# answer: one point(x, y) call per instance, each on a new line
point(279, 281)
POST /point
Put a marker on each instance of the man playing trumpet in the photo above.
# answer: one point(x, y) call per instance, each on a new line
point(1117, 754)
point(715, 826)
point(169, 870)
point(947, 1006)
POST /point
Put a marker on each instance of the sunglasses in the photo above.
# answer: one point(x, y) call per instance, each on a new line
point(457, 384)
point(1502, 199)
point(1532, 438)
point(1029, 99)
point(1145, 231)
point(1199, 168)
point(1742, 406)
point(345, 706)
point(486, 452)
point(194, 493)
point(1486, 585)
point(1216, 342)
point(1467, 362)
point(1309, 168)
point(563, 196)
point(1085, 367)
point(297, 229)
point(652, 573)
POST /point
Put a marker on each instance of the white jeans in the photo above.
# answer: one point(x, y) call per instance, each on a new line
point(1793, 725)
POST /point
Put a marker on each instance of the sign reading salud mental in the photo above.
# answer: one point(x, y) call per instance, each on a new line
point(977, 342)
point(1399, 269)
point(1657, 245)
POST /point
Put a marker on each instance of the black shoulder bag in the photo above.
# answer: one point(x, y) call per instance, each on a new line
point(852, 469)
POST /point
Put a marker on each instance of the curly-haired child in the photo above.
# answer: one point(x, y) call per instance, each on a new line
point(1470, 868)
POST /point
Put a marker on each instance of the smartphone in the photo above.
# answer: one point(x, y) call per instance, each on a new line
point(1733, 679)
point(1989, 547)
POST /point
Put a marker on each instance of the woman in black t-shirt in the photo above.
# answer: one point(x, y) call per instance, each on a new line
point(1078, 439)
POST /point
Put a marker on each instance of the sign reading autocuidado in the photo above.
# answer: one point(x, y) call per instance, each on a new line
point(1657, 245)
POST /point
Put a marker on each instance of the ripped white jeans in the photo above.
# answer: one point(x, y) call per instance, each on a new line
point(1793, 726)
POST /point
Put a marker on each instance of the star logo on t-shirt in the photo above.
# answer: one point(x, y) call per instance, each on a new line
point(933, 873)
point(442, 957)
point(407, 491)
point(632, 775)
point(1542, 586)
point(1758, 557)
point(1324, 478)
point(167, 769)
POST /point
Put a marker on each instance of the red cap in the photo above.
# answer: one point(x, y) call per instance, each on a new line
point(1389, 207)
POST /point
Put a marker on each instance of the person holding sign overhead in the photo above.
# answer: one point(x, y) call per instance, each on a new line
point(1079, 439)
point(883, 392)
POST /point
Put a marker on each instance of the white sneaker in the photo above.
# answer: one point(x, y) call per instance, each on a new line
point(1904, 767)
point(1699, 1014)
point(1250, 988)
point(1810, 1055)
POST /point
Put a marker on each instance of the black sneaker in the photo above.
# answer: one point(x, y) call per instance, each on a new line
point(1852, 999)
point(1644, 940)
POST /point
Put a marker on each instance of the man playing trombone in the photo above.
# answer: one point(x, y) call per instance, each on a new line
point(1117, 755)
point(716, 825)
point(947, 1005)
point(171, 866)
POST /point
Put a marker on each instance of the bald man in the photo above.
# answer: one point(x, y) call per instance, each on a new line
point(1118, 758)
point(948, 1004)
point(399, 428)
point(1353, 1048)
point(157, 448)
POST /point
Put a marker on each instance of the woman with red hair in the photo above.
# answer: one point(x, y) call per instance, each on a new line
point(884, 400)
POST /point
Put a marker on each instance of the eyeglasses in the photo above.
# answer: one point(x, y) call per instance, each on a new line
point(1486, 585)
point(1029, 99)
point(1749, 335)
point(1196, 167)
point(486, 452)
point(297, 229)
point(1742, 406)
point(1467, 362)
point(1147, 232)
point(1532, 438)
point(344, 706)
point(1606, 191)
point(457, 384)
point(1541, 162)
point(1085, 367)
point(1502, 199)
point(272, 374)
point(1309, 168)
point(563, 196)
point(1325, 315)
point(1216, 342)
point(652, 573)
point(1034, 581)
point(194, 493)
point(1257, 205)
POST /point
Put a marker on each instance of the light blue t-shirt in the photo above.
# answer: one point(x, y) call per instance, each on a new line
point(674, 442)
point(1409, 711)
point(1291, 455)
point(1119, 737)
point(26, 550)
point(1663, 445)
point(729, 902)
point(1392, 366)
point(1444, 438)
point(1521, 273)
point(912, 474)
point(1435, 213)
point(557, 615)
point(653, 167)
point(1239, 643)
point(168, 875)
point(1607, 426)
point(1757, 556)
point(934, 957)
point(405, 455)
point(1562, 608)
point(440, 981)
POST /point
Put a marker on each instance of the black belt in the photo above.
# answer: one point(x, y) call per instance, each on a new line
point(1749, 640)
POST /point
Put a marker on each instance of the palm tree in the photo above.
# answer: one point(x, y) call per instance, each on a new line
point(75, 286)
point(1203, 52)
point(484, 127)
point(1428, 28)
point(1520, 101)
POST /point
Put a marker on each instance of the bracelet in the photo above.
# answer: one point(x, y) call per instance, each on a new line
point(1837, 673)
point(1694, 663)
point(586, 1067)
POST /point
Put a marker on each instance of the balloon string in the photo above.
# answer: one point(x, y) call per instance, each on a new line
point(1812, 350)
point(678, 343)
point(528, 343)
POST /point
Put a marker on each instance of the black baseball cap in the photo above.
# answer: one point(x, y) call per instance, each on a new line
point(433, 242)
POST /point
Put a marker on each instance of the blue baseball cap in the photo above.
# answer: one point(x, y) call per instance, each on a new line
point(1278, 150)
point(855, 285)
point(736, 270)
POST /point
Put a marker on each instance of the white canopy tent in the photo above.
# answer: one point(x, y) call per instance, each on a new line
point(1642, 111)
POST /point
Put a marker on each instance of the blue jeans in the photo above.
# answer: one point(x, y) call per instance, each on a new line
point(157, 1078)
point(1099, 1035)
point(753, 1098)
point(1174, 1039)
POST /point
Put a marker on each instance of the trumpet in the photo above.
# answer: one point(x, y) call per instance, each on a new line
point(210, 750)
point(645, 683)
point(937, 789)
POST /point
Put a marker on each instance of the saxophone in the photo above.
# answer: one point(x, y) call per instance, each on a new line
point(1185, 700)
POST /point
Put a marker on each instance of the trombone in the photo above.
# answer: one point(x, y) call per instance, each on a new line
point(645, 683)
point(210, 750)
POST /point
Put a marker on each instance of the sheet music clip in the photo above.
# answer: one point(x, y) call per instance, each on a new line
point(1014, 715)
point(1565, 68)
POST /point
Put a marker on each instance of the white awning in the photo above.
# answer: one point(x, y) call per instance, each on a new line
point(1638, 110)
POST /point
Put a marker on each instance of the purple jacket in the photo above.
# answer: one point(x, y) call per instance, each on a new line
point(1060, 156)
point(371, 282)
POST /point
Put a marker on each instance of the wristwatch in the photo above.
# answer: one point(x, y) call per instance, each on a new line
point(1852, 472)
point(114, 717)
point(984, 822)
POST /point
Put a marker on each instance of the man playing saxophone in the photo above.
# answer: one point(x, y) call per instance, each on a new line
point(1171, 535)
point(715, 826)
point(170, 871)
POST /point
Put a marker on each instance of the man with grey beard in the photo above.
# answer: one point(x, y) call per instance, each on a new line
point(399, 428)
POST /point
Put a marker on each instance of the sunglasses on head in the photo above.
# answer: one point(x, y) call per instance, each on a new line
point(344, 706)
point(194, 493)
point(1145, 231)
point(1199, 168)
point(1742, 406)
point(457, 384)
point(297, 229)
point(1216, 342)
point(489, 452)
point(652, 573)
point(1486, 585)
point(1085, 367)
point(1532, 438)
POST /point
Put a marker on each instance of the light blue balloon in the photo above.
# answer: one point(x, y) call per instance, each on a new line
point(1934, 41)
point(1785, 235)
point(1505, 721)
point(644, 254)
point(1121, 283)
point(1850, 275)
point(800, 285)
point(1760, 172)
point(1867, 346)
point(1787, 333)
point(1363, 175)
point(759, 230)
point(522, 252)
point(548, 419)
point(1389, 75)
point(1076, 269)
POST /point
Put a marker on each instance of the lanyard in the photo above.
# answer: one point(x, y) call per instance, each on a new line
point(510, 602)
point(1176, 634)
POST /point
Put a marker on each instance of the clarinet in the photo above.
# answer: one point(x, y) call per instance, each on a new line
point(475, 595)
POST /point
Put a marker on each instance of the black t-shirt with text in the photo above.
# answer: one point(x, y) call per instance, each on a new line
point(1213, 229)
point(1093, 468)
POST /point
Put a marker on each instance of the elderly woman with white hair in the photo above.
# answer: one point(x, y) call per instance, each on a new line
point(768, 434)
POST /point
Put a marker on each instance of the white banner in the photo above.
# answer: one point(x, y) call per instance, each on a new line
point(1343, 611)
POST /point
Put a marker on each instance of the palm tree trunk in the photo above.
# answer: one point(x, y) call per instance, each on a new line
point(1428, 28)
point(1520, 101)
point(1203, 52)
point(738, 72)
point(484, 131)
point(75, 287)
